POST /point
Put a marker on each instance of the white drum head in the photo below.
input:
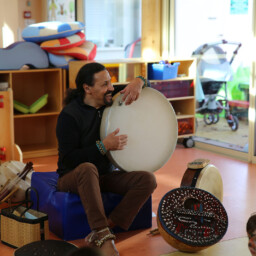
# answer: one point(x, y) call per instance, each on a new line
point(151, 126)
point(210, 180)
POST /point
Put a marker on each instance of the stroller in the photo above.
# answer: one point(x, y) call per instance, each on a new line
point(214, 71)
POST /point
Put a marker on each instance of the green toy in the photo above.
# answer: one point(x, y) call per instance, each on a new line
point(33, 108)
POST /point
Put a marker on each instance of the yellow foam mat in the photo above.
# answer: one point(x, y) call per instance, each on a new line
point(233, 247)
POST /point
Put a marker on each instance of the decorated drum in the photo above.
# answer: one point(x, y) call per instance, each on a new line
point(151, 126)
point(191, 219)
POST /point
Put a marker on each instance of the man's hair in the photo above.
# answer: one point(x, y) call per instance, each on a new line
point(251, 225)
point(87, 251)
point(84, 76)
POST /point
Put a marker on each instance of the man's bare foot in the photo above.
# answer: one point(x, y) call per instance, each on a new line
point(103, 239)
point(109, 248)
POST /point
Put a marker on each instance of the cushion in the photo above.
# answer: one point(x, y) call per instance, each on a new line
point(18, 54)
point(64, 42)
point(60, 61)
point(44, 31)
point(86, 51)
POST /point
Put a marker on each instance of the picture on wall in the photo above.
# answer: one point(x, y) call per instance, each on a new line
point(62, 10)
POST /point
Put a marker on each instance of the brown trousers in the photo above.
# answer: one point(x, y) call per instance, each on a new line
point(136, 187)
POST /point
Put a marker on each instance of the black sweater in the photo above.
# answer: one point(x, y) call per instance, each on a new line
point(78, 129)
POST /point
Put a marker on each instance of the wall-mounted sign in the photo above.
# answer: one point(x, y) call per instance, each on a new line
point(27, 14)
point(238, 6)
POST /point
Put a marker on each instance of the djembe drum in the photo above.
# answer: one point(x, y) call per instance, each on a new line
point(201, 174)
point(151, 126)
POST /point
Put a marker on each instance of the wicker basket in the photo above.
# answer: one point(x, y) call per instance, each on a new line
point(17, 231)
point(21, 225)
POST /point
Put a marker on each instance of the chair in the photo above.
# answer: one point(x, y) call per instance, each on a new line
point(67, 218)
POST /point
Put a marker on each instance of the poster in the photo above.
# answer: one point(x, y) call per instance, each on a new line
point(61, 10)
point(238, 6)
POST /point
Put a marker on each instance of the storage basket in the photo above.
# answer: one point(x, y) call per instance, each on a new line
point(21, 225)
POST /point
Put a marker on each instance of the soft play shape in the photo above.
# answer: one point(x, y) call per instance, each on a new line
point(86, 51)
point(33, 108)
point(66, 215)
point(20, 107)
point(60, 61)
point(49, 30)
point(18, 54)
point(38, 104)
point(64, 43)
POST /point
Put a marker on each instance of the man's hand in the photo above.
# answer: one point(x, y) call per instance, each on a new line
point(132, 91)
point(114, 141)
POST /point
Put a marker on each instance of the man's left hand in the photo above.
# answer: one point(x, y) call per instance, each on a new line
point(132, 91)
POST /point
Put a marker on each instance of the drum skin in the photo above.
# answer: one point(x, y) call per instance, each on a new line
point(191, 219)
point(208, 179)
point(10, 170)
point(151, 126)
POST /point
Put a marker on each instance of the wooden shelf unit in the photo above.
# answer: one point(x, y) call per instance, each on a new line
point(35, 133)
point(180, 91)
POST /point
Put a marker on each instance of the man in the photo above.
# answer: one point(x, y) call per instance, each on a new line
point(251, 232)
point(83, 166)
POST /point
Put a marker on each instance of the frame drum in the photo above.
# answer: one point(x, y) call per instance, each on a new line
point(8, 171)
point(207, 178)
point(151, 126)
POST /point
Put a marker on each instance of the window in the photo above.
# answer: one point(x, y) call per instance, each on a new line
point(112, 25)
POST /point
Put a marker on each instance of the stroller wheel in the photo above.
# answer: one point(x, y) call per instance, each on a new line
point(233, 122)
point(216, 118)
point(211, 118)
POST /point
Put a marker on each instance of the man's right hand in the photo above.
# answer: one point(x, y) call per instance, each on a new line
point(114, 141)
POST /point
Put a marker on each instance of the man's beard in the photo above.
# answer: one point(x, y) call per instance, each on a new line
point(108, 103)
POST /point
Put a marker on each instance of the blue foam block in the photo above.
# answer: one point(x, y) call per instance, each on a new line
point(22, 53)
point(67, 218)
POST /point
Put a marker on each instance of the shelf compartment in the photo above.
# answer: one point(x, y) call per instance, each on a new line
point(184, 107)
point(186, 126)
point(4, 77)
point(113, 70)
point(36, 136)
point(172, 89)
point(128, 71)
point(30, 86)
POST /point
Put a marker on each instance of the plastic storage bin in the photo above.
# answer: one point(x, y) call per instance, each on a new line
point(159, 71)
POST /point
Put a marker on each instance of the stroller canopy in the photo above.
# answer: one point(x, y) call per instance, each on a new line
point(213, 64)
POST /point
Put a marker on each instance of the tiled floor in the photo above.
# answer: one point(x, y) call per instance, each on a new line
point(239, 179)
